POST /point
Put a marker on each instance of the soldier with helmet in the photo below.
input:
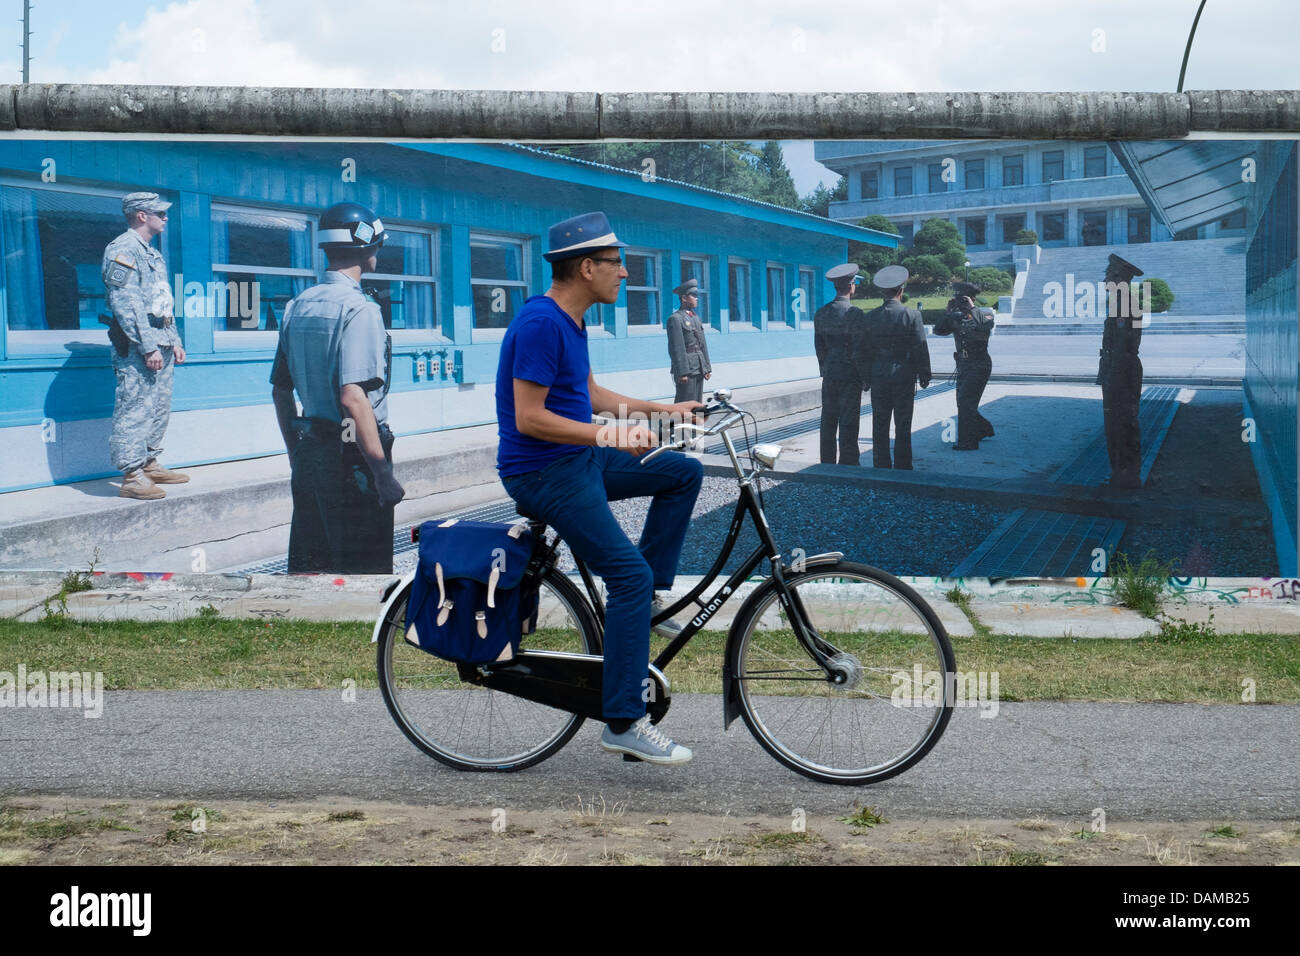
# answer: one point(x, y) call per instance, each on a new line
point(335, 352)
point(894, 358)
point(970, 326)
point(838, 328)
point(146, 346)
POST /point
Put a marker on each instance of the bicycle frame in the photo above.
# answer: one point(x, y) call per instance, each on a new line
point(747, 504)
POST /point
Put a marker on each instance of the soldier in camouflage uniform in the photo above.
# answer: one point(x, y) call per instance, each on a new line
point(140, 298)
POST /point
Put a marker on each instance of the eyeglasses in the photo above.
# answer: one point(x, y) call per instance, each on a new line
point(617, 260)
point(160, 215)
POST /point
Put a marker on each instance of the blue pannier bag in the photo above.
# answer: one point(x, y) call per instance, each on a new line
point(471, 601)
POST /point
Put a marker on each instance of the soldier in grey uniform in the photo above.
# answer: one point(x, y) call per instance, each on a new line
point(970, 327)
point(335, 352)
point(1119, 373)
point(838, 330)
point(146, 347)
point(687, 350)
point(894, 358)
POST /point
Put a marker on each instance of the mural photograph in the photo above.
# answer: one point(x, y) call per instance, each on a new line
point(984, 359)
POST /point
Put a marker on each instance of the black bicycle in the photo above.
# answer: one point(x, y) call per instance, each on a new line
point(841, 671)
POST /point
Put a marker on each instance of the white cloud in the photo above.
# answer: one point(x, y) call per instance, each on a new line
point(222, 43)
point(703, 45)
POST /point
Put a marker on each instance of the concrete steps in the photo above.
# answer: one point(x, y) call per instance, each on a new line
point(1207, 276)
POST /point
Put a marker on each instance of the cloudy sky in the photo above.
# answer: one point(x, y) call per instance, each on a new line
point(609, 45)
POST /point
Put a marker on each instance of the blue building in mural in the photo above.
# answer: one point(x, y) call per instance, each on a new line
point(467, 224)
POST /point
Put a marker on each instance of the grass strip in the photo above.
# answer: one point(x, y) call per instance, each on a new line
point(214, 654)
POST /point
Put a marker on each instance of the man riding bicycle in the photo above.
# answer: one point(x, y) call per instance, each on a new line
point(562, 469)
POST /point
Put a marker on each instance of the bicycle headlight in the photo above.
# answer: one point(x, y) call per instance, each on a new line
point(767, 455)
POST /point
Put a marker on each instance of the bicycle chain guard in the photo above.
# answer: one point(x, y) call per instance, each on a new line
point(570, 682)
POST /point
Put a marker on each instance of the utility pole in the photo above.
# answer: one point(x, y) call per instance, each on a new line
point(27, 40)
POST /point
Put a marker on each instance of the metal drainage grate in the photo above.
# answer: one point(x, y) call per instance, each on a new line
point(1035, 543)
point(1155, 414)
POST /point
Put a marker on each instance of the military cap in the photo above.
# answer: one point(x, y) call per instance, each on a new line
point(890, 277)
point(689, 287)
point(579, 236)
point(840, 273)
point(966, 288)
point(1122, 268)
point(143, 202)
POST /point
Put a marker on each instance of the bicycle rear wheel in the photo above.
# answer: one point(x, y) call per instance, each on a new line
point(471, 727)
point(892, 696)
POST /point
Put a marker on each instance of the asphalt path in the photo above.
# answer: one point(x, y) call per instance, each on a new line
point(1135, 761)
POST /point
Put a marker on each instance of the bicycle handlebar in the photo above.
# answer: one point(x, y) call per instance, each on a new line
point(717, 428)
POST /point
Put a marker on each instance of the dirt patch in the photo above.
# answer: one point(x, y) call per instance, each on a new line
point(591, 831)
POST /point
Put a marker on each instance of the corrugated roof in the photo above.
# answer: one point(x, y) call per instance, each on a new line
point(1188, 184)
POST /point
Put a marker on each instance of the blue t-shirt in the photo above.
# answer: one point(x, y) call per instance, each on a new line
point(542, 345)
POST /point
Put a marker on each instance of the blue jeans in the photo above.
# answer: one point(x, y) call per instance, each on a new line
point(572, 495)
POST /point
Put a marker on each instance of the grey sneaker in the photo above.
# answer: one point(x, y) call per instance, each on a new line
point(644, 741)
point(668, 628)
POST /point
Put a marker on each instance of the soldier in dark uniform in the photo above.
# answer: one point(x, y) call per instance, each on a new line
point(1119, 373)
point(687, 350)
point(838, 328)
point(894, 358)
point(970, 327)
point(334, 351)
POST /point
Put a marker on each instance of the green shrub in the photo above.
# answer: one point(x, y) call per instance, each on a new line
point(1026, 237)
point(939, 237)
point(871, 259)
point(928, 272)
point(1162, 297)
point(993, 280)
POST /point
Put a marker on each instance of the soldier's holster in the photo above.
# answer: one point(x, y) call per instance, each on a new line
point(116, 337)
point(322, 431)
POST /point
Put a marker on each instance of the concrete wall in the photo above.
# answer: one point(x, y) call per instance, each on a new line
point(488, 114)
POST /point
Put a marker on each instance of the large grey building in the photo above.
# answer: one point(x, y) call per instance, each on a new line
point(1070, 194)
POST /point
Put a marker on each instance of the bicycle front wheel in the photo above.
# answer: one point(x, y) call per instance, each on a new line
point(471, 727)
point(890, 696)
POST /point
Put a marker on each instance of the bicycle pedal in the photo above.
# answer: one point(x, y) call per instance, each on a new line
point(630, 759)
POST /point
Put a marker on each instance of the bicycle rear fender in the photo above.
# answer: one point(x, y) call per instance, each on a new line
point(730, 690)
point(394, 596)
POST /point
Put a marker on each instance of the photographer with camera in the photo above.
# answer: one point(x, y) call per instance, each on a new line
point(970, 326)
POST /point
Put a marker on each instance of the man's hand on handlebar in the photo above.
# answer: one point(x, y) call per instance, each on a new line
point(688, 411)
point(636, 440)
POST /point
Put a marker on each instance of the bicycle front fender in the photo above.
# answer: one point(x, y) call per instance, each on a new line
point(730, 691)
point(395, 597)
